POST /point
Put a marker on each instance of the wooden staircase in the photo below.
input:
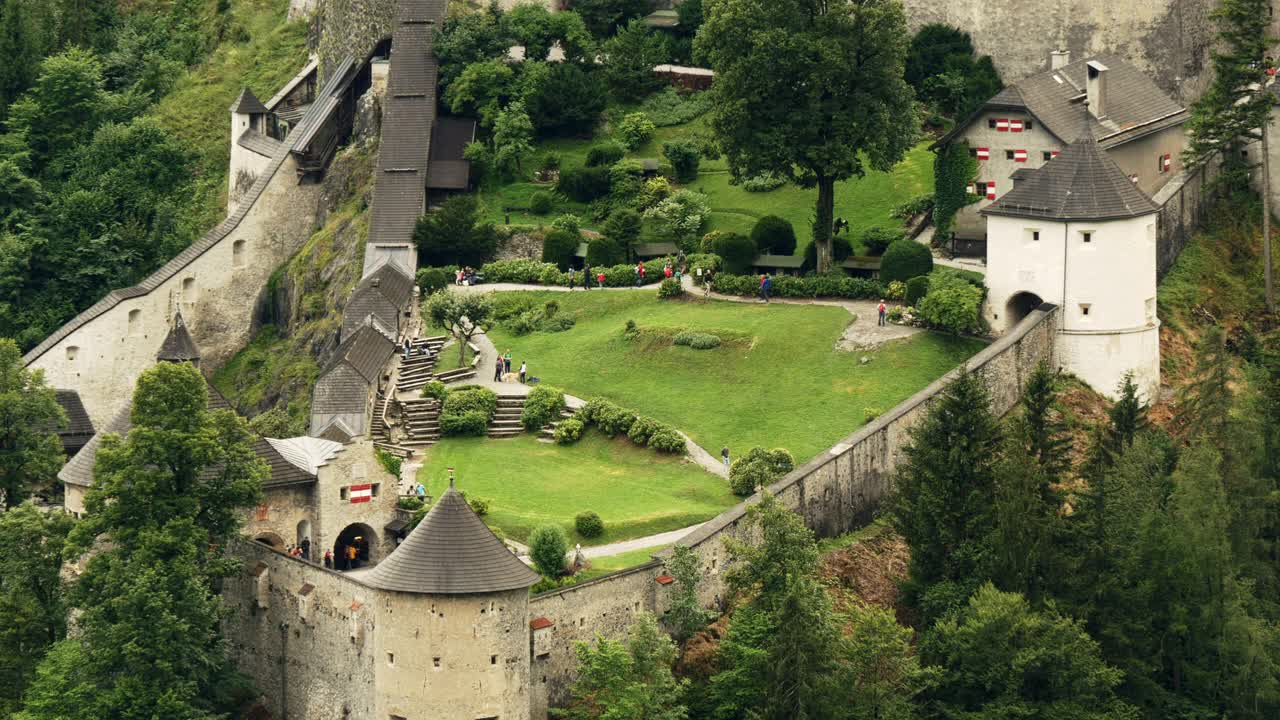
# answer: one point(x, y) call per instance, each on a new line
point(506, 419)
point(421, 422)
point(378, 429)
point(449, 376)
point(418, 370)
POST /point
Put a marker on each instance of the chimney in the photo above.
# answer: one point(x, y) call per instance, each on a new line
point(1096, 88)
point(1059, 58)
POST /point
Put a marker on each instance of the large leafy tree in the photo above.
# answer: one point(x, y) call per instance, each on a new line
point(686, 615)
point(455, 234)
point(164, 503)
point(30, 453)
point(627, 682)
point(463, 315)
point(810, 90)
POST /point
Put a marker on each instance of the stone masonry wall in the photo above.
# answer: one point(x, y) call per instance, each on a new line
point(836, 492)
point(350, 27)
point(1184, 206)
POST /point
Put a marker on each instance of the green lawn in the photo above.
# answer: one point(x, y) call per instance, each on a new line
point(448, 359)
point(635, 490)
point(621, 561)
point(781, 384)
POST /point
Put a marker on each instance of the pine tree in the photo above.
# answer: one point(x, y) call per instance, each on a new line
point(685, 616)
point(1046, 437)
point(19, 52)
point(1204, 403)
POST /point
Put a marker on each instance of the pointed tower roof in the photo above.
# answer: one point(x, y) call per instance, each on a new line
point(1082, 183)
point(451, 552)
point(248, 104)
point(178, 345)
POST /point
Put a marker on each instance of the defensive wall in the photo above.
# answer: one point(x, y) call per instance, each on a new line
point(1184, 206)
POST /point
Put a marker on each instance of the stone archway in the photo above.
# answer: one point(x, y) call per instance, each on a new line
point(303, 539)
point(363, 539)
point(1019, 306)
point(271, 540)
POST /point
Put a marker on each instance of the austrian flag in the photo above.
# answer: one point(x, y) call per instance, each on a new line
point(1002, 125)
point(1019, 155)
point(991, 191)
point(984, 153)
point(361, 493)
point(1015, 126)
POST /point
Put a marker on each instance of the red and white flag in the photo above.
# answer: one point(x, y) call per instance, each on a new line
point(984, 153)
point(1002, 125)
point(1053, 154)
point(1015, 126)
point(1168, 162)
point(991, 191)
point(1019, 155)
point(361, 493)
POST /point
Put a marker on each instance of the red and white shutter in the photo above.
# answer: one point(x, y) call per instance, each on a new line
point(1015, 126)
point(984, 153)
point(1002, 125)
point(1053, 154)
point(361, 493)
point(1168, 162)
point(991, 191)
point(1019, 155)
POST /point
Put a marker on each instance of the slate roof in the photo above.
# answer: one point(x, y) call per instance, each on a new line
point(409, 112)
point(307, 453)
point(778, 261)
point(1135, 104)
point(78, 422)
point(79, 470)
point(248, 104)
point(178, 346)
point(326, 103)
point(184, 258)
point(446, 168)
point(451, 552)
point(1082, 183)
point(655, 249)
point(343, 386)
point(256, 142)
point(384, 293)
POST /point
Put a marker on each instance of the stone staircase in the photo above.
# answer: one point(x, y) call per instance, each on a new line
point(506, 420)
point(548, 433)
point(418, 370)
point(421, 422)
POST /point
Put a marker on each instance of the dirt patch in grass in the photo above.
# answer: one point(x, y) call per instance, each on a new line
point(869, 571)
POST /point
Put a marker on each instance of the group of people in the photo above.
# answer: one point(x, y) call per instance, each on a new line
point(465, 276)
point(502, 367)
point(302, 551)
point(348, 558)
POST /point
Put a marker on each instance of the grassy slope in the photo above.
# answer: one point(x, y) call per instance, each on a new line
point(636, 491)
point(263, 52)
point(785, 387)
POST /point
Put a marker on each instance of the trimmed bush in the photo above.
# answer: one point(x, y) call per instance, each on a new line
point(642, 429)
point(840, 251)
point(467, 411)
point(479, 506)
point(952, 304)
point(876, 240)
point(774, 235)
point(736, 251)
point(431, 279)
point(558, 247)
point(917, 287)
point(904, 260)
point(410, 503)
point(603, 252)
point(588, 524)
point(623, 227)
point(541, 202)
point(605, 153)
point(684, 159)
point(759, 468)
point(635, 129)
point(541, 407)
point(390, 463)
point(584, 184)
point(670, 288)
point(615, 421)
point(704, 341)
point(569, 431)
point(435, 389)
point(895, 290)
point(667, 440)
point(472, 422)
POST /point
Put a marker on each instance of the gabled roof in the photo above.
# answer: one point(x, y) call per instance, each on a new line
point(248, 104)
point(1135, 104)
point(451, 552)
point(1082, 183)
point(307, 453)
point(256, 142)
point(384, 293)
point(344, 385)
point(447, 169)
point(79, 470)
point(78, 422)
point(178, 346)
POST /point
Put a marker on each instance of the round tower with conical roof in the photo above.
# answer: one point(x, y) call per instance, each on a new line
point(452, 637)
point(1079, 234)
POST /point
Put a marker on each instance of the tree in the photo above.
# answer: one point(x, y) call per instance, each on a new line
point(537, 29)
point(559, 246)
point(880, 670)
point(1046, 438)
point(565, 100)
point(31, 597)
point(774, 235)
point(605, 252)
point(905, 259)
point(1236, 108)
point(1204, 402)
point(454, 235)
point(631, 682)
point(19, 51)
point(482, 89)
point(684, 159)
point(945, 497)
point(795, 94)
point(603, 17)
point(943, 68)
point(736, 251)
point(547, 548)
point(462, 315)
point(686, 615)
point(512, 139)
point(623, 226)
point(468, 38)
point(630, 57)
point(64, 106)
point(759, 468)
point(30, 452)
point(1001, 659)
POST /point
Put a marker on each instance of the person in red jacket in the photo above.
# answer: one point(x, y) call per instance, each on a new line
point(881, 309)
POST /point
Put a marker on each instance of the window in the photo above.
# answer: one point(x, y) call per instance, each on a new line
point(493, 659)
point(1086, 236)
point(1008, 154)
point(1027, 124)
point(72, 352)
point(973, 152)
point(1033, 235)
point(1164, 163)
point(239, 251)
point(344, 493)
point(374, 489)
point(1244, 154)
point(991, 123)
point(391, 659)
point(1084, 309)
point(1046, 156)
point(189, 289)
point(982, 188)
point(135, 322)
point(435, 662)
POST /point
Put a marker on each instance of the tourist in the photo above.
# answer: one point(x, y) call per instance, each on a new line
point(408, 346)
point(498, 369)
point(667, 271)
point(639, 273)
point(766, 284)
point(571, 278)
point(707, 279)
point(600, 278)
point(328, 559)
point(421, 491)
point(306, 548)
point(881, 309)
point(506, 361)
point(724, 454)
point(352, 555)
point(586, 276)
point(457, 277)
point(523, 370)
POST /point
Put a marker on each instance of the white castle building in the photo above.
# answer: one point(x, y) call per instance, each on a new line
point(1078, 233)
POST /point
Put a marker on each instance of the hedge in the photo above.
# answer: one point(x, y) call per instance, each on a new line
point(584, 184)
point(613, 420)
point(541, 407)
point(774, 235)
point(467, 411)
point(917, 288)
point(605, 153)
point(904, 260)
point(835, 284)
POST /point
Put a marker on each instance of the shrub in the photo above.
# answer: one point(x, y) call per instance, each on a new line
point(759, 468)
point(541, 407)
point(431, 279)
point(558, 247)
point(609, 418)
point(667, 440)
point(763, 182)
point(409, 503)
point(774, 235)
point(559, 324)
point(435, 389)
point(547, 548)
point(840, 251)
point(679, 216)
point(603, 252)
point(704, 341)
point(684, 159)
point(588, 524)
point(895, 290)
point(951, 304)
point(605, 154)
point(568, 222)
point(917, 287)
point(479, 506)
point(569, 431)
point(467, 411)
point(904, 260)
point(635, 129)
point(541, 202)
point(553, 275)
point(655, 190)
point(623, 226)
point(472, 422)
point(914, 206)
point(584, 184)
point(642, 429)
point(550, 163)
point(565, 100)
point(670, 288)
point(389, 462)
point(876, 240)
point(736, 251)
point(669, 106)
point(455, 234)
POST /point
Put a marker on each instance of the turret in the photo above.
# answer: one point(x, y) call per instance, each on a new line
point(248, 117)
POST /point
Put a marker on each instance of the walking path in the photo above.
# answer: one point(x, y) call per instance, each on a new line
point(651, 541)
point(970, 264)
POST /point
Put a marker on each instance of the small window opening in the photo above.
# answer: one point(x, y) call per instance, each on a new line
point(1046, 156)
point(1008, 154)
point(375, 488)
point(1084, 309)
point(343, 493)
point(1086, 236)
point(1027, 124)
point(238, 253)
point(435, 663)
point(493, 659)
point(72, 352)
point(991, 123)
point(1035, 235)
point(391, 659)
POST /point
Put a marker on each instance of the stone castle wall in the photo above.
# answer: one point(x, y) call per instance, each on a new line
point(350, 27)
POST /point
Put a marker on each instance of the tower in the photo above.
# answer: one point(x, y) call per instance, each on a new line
point(248, 117)
point(452, 638)
point(1077, 233)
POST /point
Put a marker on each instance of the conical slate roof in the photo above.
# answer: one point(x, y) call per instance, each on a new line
point(248, 104)
point(178, 345)
point(1082, 183)
point(451, 552)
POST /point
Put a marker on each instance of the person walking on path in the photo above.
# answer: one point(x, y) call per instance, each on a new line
point(498, 369)
point(639, 273)
point(408, 346)
point(766, 284)
point(506, 361)
point(600, 278)
point(328, 559)
point(586, 276)
point(724, 454)
point(572, 275)
point(881, 310)
point(523, 370)
point(707, 279)
point(306, 548)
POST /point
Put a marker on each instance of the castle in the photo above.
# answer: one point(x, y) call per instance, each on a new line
point(439, 622)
